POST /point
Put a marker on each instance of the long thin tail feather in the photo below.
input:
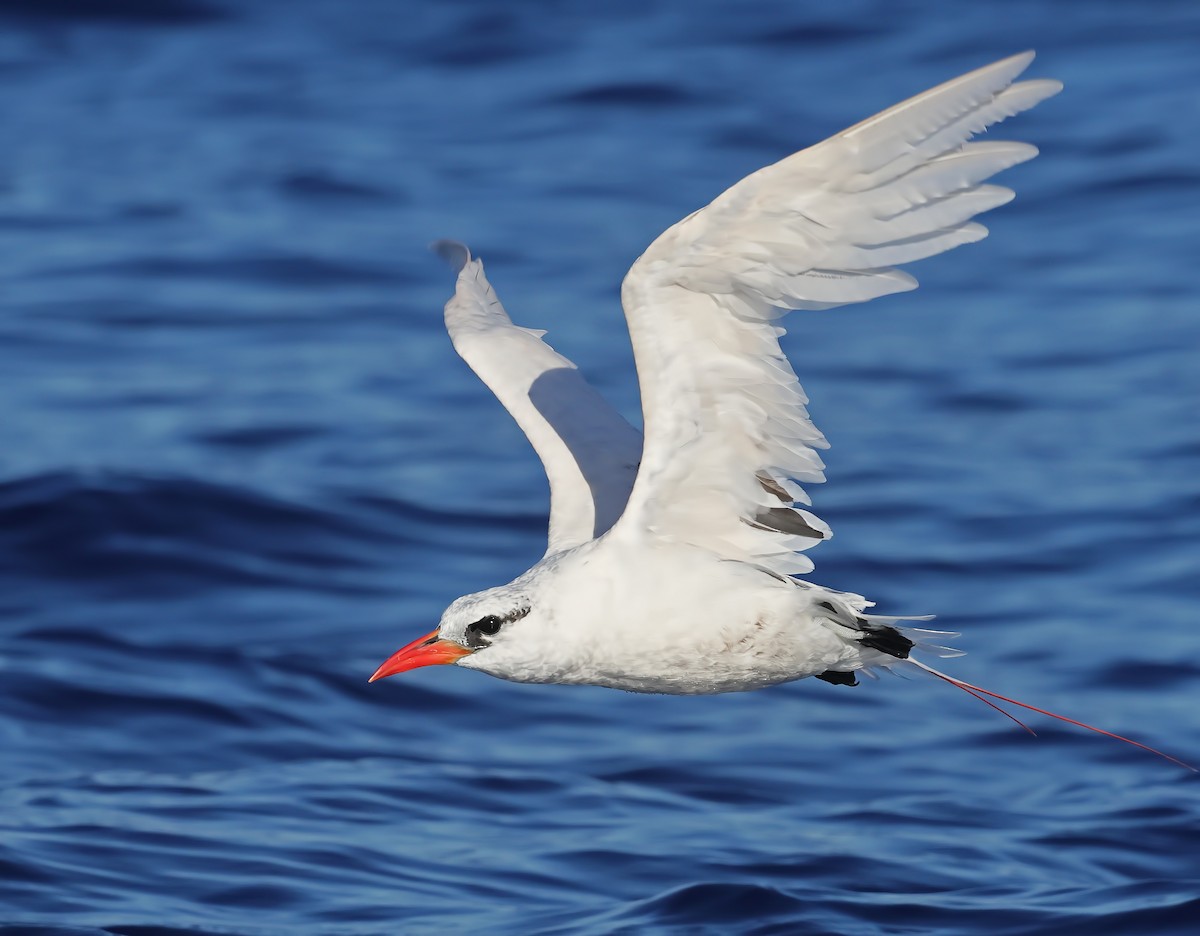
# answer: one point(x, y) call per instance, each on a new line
point(980, 693)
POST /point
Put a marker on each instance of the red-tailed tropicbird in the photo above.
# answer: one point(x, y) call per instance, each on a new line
point(672, 560)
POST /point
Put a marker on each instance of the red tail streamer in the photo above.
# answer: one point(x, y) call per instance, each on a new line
point(979, 693)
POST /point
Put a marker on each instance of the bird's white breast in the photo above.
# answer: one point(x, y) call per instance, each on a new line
point(662, 617)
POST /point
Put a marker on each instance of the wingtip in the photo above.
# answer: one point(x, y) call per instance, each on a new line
point(1018, 63)
point(1050, 86)
point(1008, 69)
point(456, 254)
point(1021, 61)
point(1003, 71)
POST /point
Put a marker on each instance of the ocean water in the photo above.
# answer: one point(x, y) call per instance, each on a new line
point(240, 465)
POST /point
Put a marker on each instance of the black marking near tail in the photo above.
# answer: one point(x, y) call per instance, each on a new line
point(886, 640)
point(881, 637)
point(837, 678)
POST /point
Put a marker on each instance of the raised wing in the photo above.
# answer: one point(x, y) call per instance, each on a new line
point(725, 419)
point(589, 452)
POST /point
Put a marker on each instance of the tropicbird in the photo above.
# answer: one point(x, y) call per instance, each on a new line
point(673, 558)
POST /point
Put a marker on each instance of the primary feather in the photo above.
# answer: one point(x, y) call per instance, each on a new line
point(726, 425)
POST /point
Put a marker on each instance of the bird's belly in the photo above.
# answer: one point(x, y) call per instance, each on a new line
point(711, 674)
point(715, 648)
point(675, 619)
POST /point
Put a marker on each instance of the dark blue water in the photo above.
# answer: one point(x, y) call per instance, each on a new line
point(240, 464)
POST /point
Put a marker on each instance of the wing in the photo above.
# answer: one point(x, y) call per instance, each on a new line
point(725, 419)
point(589, 452)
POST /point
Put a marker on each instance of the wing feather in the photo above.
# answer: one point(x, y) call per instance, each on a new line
point(589, 451)
point(727, 429)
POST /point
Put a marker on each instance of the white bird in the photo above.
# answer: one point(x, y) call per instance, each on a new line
point(672, 560)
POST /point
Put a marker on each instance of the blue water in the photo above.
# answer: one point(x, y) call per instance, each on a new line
point(240, 465)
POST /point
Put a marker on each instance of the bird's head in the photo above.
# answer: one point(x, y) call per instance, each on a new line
point(491, 630)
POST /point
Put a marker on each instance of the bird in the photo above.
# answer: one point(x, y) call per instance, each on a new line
point(675, 556)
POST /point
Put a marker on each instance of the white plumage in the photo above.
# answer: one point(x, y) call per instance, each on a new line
point(671, 562)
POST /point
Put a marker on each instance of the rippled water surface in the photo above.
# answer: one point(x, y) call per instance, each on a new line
point(240, 464)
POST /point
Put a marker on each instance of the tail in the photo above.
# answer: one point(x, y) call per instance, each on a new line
point(983, 696)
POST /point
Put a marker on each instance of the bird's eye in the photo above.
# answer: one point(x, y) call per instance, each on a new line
point(488, 626)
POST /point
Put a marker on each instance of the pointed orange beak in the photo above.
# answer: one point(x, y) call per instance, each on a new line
point(429, 650)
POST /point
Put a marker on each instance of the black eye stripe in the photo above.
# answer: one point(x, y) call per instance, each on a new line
point(489, 625)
